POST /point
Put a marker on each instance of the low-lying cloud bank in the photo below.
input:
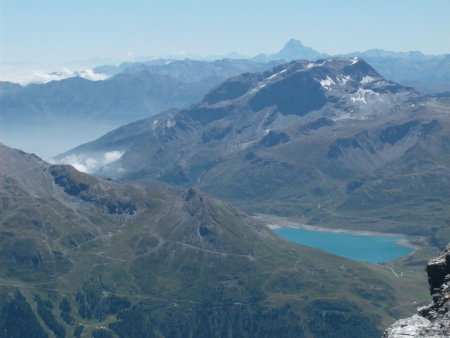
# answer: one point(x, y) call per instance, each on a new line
point(40, 76)
point(90, 164)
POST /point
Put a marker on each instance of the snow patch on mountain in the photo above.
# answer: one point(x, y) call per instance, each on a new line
point(260, 85)
point(170, 124)
point(361, 95)
point(326, 83)
point(343, 79)
point(354, 60)
point(313, 64)
point(276, 74)
point(367, 79)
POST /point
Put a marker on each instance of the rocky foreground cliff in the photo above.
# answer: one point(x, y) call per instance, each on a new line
point(432, 321)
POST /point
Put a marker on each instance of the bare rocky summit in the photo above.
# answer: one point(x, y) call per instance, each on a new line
point(432, 321)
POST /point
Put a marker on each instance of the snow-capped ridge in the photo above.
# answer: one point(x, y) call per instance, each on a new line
point(326, 83)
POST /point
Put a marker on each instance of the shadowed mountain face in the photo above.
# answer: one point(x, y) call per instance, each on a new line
point(322, 140)
point(83, 255)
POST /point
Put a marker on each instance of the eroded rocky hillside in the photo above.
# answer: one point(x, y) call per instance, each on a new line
point(432, 321)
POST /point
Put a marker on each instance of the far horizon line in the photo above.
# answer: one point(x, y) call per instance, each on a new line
point(116, 60)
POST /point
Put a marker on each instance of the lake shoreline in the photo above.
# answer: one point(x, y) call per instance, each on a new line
point(276, 222)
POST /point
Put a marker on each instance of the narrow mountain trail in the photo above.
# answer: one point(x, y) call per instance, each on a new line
point(251, 258)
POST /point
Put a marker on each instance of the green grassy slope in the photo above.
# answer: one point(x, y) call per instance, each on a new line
point(81, 255)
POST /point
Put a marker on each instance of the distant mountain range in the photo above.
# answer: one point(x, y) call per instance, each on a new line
point(135, 91)
point(429, 74)
point(75, 110)
point(324, 141)
point(84, 256)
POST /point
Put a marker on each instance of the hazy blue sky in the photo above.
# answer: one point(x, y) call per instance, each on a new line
point(64, 30)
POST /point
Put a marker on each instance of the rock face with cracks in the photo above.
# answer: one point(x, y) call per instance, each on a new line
point(433, 321)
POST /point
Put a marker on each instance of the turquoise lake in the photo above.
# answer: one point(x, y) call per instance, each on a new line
point(371, 248)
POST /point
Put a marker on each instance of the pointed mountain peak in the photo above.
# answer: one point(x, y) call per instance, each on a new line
point(293, 43)
point(294, 49)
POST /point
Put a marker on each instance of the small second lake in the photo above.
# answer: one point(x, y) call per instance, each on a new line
point(360, 247)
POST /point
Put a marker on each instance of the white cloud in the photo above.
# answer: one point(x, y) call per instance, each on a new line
point(88, 164)
point(39, 76)
point(112, 156)
point(91, 75)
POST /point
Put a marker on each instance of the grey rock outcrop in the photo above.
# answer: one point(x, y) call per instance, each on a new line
point(432, 321)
